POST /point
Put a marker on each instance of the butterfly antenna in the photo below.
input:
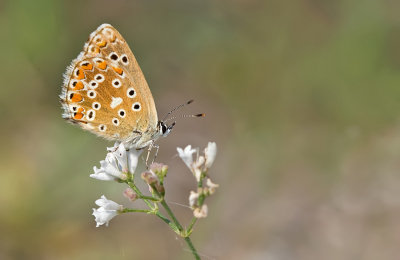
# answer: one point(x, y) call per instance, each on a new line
point(176, 108)
point(184, 116)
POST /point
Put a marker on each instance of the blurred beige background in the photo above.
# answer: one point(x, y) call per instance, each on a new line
point(302, 98)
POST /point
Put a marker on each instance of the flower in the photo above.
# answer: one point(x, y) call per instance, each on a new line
point(201, 212)
point(160, 170)
point(193, 197)
point(117, 164)
point(149, 177)
point(202, 163)
point(186, 155)
point(130, 194)
point(212, 186)
point(210, 152)
point(108, 209)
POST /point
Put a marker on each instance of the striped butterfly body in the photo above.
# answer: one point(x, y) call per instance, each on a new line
point(105, 92)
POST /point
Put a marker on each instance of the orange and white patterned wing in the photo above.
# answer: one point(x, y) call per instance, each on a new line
point(105, 91)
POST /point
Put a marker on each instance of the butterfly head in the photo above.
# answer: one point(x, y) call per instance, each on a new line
point(163, 129)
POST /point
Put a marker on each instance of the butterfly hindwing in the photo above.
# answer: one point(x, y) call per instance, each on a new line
point(105, 91)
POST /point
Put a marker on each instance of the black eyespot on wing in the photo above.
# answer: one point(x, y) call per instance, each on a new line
point(114, 56)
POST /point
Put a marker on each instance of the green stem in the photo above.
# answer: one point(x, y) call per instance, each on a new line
point(153, 209)
point(148, 198)
point(192, 248)
point(190, 228)
point(135, 210)
point(182, 232)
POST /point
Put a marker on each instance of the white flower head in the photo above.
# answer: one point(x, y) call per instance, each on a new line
point(200, 166)
point(186, 155)
point(117, 164)
point(201, 212)
point(193, 197)
point(108, 209)
point(210, 152)
point(212, 186)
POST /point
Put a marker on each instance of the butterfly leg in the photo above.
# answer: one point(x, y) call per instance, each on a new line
point(148, 154)
point(151, 146)
point(155, 155)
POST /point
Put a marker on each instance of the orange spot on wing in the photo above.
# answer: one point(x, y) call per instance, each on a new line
point(79, 74)
point(89, 66)
point(94, 49)
point(76, 97)
point(80, 110)
point(78, 86)
point(78, 116)
point(118, 70)
point(102, 44)
point(102, 65)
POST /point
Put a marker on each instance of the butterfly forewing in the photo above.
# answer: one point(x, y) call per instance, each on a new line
point(105, 91)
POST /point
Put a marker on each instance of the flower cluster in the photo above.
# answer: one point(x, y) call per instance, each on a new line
point(108, 209)
point(118, 164)
point(199, 166)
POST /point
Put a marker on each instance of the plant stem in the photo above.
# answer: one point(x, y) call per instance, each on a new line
point(190, 228)
point(192, 248)
point(136, 210)
point(182, 232)
point(153, 209)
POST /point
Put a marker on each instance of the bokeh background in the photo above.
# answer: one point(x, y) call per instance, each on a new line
point(302, 98)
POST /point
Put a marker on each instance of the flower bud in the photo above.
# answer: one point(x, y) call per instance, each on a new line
point(130, 194)
point(159, 169)
point(201, 212)
point(149, 177)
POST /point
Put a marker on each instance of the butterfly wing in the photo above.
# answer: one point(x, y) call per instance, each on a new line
point(105, 91)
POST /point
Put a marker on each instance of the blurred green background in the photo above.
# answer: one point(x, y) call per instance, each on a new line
point(302, 98)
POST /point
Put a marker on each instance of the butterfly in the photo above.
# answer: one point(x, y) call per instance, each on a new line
point(105, 92)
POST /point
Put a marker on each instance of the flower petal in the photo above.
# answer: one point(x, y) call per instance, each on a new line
point(210, 153)
point(133, 159)
point(186, 155)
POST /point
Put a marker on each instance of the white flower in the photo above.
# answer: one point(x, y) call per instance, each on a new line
point(108, 209)
point(202, 163)
point(212, 186)
point(117, 164)
point(210, 152)
point(193, 197)
point(186, 155)
point(201, 212)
